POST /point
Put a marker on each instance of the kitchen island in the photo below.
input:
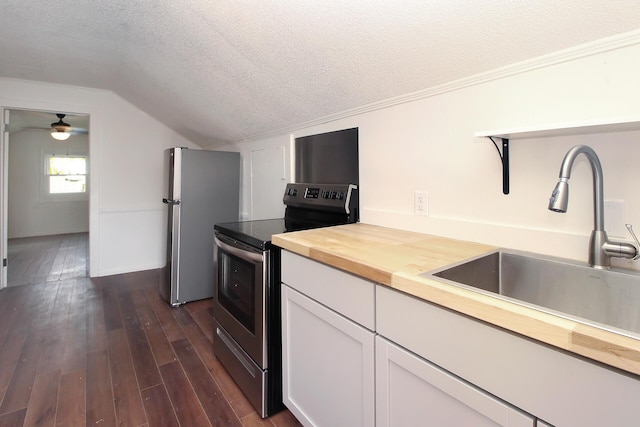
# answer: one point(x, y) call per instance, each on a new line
point(394, 259)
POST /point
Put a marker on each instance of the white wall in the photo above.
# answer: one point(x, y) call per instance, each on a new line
point(127, 218)
point(426, 142)
point(30, 211)
point(421, 142)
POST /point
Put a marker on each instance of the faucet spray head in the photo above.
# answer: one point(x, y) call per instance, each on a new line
point(560, 196)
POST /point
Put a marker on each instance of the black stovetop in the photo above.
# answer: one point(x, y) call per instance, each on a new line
point(308, 206)
point(258, 233)
point(254, 233)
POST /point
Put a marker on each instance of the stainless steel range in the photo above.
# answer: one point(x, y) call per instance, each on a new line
point(246, 301)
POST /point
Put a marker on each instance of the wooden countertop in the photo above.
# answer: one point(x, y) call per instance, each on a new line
point(396, 258)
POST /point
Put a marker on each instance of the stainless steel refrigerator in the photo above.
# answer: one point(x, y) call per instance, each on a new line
point(204, 189)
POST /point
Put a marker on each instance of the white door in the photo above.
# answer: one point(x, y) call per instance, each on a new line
point(410, 392)
point(328, 365)
point(268, 181)
point(4, 175)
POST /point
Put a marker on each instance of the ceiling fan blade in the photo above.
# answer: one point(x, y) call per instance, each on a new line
point(78, 131)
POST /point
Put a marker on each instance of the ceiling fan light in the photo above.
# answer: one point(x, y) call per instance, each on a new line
point(60, 136)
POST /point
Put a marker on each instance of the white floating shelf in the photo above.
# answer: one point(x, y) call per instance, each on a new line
point(563, 129)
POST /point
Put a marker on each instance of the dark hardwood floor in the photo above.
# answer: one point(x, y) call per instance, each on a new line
point(40, 259)
point(108, 351)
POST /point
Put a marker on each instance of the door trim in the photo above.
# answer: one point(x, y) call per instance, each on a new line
point(94, 168)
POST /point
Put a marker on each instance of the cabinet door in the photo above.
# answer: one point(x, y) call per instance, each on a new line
point(410, 391)
point(328, 365)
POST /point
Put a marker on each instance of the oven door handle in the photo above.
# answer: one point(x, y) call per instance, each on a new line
point(240, 253)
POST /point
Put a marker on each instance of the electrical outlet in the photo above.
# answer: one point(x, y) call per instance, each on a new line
point(421, 203)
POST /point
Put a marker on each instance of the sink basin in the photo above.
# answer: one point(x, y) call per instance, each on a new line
point(603, 298)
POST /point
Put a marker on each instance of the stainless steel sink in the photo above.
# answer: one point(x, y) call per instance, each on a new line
point(603, 298)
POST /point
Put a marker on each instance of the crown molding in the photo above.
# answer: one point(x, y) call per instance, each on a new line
point(570, 54)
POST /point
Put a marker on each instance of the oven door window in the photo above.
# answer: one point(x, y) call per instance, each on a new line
point(237, 292)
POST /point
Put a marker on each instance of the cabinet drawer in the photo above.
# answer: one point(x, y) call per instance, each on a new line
point(343, 292)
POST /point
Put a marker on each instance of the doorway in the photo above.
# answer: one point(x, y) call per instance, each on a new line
point(47, 195)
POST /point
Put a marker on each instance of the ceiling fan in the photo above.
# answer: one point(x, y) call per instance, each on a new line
point(61, 130)
point(66, 124)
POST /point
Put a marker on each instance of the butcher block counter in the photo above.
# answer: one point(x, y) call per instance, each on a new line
point(396, 258)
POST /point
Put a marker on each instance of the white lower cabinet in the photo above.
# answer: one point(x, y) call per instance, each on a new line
point(328, 365)
point(551, 384)
point(428, 366)
point(411, 391)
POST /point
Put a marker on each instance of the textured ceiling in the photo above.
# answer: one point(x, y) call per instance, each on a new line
point(219, 71)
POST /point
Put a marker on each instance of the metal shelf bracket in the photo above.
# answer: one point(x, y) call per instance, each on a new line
point(504, 158)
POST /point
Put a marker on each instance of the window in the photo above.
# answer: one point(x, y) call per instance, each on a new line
point(66, 174)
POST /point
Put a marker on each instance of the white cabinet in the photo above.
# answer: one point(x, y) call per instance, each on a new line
point(551, 384)
point(328, 359)
point(427, 365)
point(411, 391)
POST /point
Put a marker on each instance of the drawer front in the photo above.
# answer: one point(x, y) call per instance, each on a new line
point(349, 295)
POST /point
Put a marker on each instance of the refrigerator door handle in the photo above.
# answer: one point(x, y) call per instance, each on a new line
point(171, 201)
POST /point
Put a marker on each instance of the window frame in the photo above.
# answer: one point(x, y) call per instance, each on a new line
point(45, 181)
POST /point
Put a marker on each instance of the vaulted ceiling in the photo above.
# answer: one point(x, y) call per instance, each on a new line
point(218, 71)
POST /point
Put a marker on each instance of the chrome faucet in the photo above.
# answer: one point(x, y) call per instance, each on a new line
point(601, 249)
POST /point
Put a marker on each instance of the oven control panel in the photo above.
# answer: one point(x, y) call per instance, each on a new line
point(331, 197)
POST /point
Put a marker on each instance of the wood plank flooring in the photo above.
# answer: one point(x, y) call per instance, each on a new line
point(41, 259)
point(108, 351)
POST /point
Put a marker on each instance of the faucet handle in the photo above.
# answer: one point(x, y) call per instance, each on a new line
point(630, 228)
